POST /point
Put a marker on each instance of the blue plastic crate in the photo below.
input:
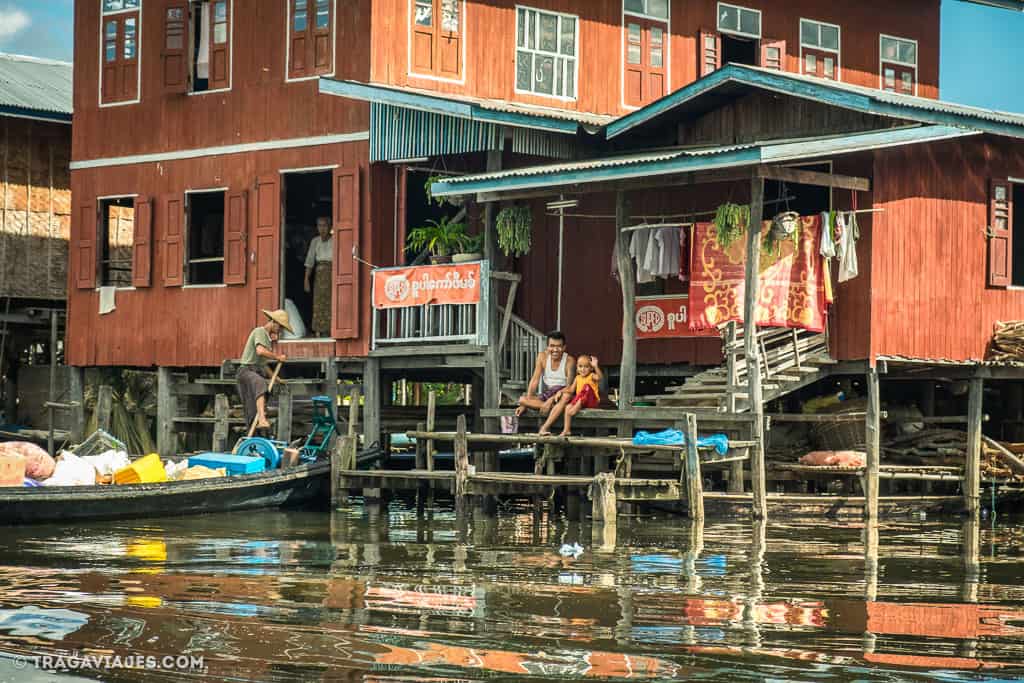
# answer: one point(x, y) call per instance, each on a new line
point(235, 464)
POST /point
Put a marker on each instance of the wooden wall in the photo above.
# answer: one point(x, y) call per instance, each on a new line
point(489, 69)
point(929, 251)
point(175, 326)
point(35, 208)
point(260, 106)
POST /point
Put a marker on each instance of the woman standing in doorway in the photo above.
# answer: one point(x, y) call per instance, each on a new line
point(319, 260)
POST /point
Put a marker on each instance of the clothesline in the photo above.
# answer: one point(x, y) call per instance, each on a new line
point(662, 215)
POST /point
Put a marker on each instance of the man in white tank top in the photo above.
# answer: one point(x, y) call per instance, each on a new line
point(551, 373)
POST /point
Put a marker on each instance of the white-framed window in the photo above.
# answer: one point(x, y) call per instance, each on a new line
point(897, 64)
point(204, 229)
point(437, 48)
point(116, 240)
point(120, 36)
point(650, 9)
point(741, 21)
point(547, 53)
point(819, 49)
point(311, 39)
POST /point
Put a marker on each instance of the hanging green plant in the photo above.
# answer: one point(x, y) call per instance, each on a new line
point(440, 201)
point(515, 230)
point(730, 221)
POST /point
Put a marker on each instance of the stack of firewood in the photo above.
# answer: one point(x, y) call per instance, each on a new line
point(1008, 341)
point(947, 448)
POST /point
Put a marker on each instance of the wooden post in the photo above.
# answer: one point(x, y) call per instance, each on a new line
point(221, 427)
point(431, 421)
point(928, 398)
point(461, 467)
point(873, 446)
point(353, 412)
point(371, 402)
point(694, 483)
point(971, 557)
point(78, 404)
point(331, 382)
point(627, 279)
point(166, 409)
point(751, 351)
point(52, 398)
point(104, 406)
point(972, 469)
point(421, 450)
point(492, 357)
point(284, 413)
point(735, 467)
point(602, 494)
point(339, 489)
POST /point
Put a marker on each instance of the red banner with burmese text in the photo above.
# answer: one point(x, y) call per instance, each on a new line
point(664, 317)
point(456, 283)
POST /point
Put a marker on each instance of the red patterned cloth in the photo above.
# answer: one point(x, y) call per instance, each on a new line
point(792, 284)
point(587, 397)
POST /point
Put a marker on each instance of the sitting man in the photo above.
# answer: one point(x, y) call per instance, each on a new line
point(584, 393)
point(551, 374)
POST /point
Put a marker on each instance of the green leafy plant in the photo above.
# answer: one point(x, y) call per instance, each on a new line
point(440, 238)
point(440, 201)
point(515, 230)
point(730, 221)
point(471, 244)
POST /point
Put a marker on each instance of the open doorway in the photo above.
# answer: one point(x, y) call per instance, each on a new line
point(307, 197)
point(739, 50)
point(1017, 257)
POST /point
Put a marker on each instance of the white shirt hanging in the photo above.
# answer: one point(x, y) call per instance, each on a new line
point(203, 58)
point(848, 268)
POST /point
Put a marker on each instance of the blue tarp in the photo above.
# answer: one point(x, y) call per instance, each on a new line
point(674, 437)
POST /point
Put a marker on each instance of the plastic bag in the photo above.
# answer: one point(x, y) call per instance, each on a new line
point(674, 437)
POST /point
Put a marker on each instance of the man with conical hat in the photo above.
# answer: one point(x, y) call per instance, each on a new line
point(254, 371)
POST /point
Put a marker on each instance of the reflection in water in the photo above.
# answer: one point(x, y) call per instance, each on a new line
point(379, 594)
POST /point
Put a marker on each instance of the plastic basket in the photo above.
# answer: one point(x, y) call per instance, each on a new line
point(146, 470)
point(99, 442)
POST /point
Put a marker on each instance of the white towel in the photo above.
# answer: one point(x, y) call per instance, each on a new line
point(203, 58)
point(107, 300)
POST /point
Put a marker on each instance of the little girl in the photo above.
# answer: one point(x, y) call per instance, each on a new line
point(584, 393)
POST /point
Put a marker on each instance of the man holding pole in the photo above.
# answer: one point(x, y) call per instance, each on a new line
point(254, 372)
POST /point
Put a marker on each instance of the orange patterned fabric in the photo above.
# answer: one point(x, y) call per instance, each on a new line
point(792, 281)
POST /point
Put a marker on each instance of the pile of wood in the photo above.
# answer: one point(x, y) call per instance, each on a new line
point(1008, 341)
point(948, 447)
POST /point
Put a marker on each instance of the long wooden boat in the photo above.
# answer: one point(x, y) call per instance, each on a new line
point(275, 488)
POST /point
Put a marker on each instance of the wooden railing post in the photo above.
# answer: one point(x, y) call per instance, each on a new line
point(756, 397)
point(431, 421)
point(694, 481)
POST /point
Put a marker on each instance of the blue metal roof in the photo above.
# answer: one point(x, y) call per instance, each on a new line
point(1016, 5)
point(673, 161)
point(35, 88)
point(735, 80)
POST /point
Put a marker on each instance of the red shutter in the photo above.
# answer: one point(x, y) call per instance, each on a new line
point(220, 52)
point(709, 52)
point(267, 235)
point(142, 243)
point(236, 226)
point(773, 54)
point(633, 71)
point(130, 67)
point(321, 38)
point(111, 76)
point(1000, 239)
point(449, 43)
point(298, 42)
point(346, 243)
point(174, 251)
point(174, 57)
point(85, 248)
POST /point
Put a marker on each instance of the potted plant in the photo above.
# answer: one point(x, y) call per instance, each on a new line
point(440, 238)
point(469, 249)
point(515, 230)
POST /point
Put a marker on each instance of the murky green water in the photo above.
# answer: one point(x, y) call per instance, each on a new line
point(386, 596)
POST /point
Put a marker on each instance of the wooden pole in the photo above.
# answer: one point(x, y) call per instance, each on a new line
point(104, 406)
point(751, 351)
point(971, 557)
point(421, 451)
point(694, 482)
point(77, 383)
point(602, 493)
point(53, 382)
point(431, 420)
point(371, 402)
point(461, 467)
point(221, 427)
point(972, 470)
point(284, 414)
point(873, 445)
point(736, 468)
point(627, 279)
point(166, 409)
point(492, 358)
point(353, 411)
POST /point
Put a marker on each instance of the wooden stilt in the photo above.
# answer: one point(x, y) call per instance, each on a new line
point(752, 352)
point(972, 469)
point(166, 411)
point(870, 575)
point(873, 446)
point(372, 402)
point(694, 482)
point(627, 279)
point(693, 582)
point(461, 468)
point(602, 495)
point(492, 364)
point(421, 449)
point(77, 398)
point(221, 427)
point(104, 407)
point(284, 413)
point(971, 556)
point(353, 412)
point(431, 420)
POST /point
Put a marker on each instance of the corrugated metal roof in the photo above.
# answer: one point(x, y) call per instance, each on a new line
point(663, 162)
point(30, 85)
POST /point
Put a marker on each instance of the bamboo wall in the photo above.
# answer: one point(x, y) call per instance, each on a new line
point(35, 208)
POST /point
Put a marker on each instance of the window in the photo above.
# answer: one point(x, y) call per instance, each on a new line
point(310, 38)
point(116, 240)
point(197, 45)
point(204, 246)
point(646, 44)
point(546, 49)
point(436, 46)
point(739, 20)
point(819, 49)
point(897, 69)
point(120, 35)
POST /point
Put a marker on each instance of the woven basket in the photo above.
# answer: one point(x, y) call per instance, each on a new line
point(841, 436)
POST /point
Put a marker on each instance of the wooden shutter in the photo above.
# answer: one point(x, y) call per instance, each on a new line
point(111, 75)
point(142, 243)
point(709, 56)
point(236, 226)
point(1000, 234)
point(773, 54)
point(220, 52)
point(321, 39)
point(174, 58)
point(85, 247)
point(174, 244)
point(298, 41)
point(633, 71)
point(449, 41)
point(267, 235)
point(130, 67)
point(345, 319)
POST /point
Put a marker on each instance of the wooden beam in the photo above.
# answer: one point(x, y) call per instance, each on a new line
point(166, 409)
point(972, 470)
point(694, 481)
point(803, 177)
point(759, 509)
point(627, 279)
point(873, 429)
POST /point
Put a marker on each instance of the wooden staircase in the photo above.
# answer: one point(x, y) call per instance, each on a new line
point(790, 359)
point(519, 345)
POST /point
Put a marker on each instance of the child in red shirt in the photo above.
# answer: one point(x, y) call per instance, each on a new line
point(584, 393)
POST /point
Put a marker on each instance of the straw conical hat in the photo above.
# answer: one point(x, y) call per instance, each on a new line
point(281, 318)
